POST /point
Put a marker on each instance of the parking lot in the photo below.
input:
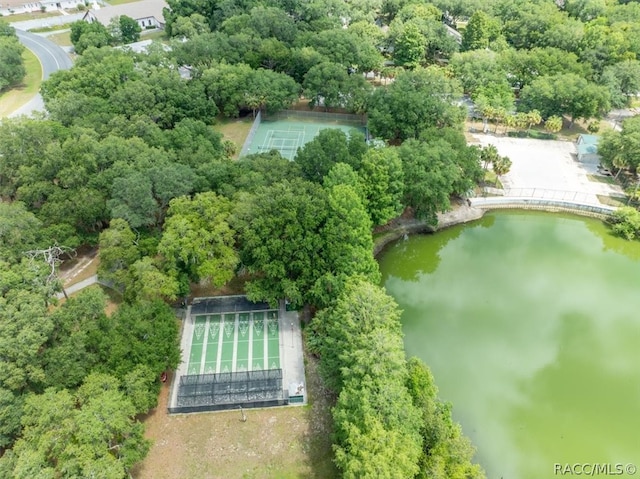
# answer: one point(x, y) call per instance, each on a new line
point(547, 164)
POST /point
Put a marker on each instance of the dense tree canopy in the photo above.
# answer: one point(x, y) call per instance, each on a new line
point(415, 101)
point(128, 158)
point(197, 240)
point(567, 94)
point(12, 69)
point(621, 149)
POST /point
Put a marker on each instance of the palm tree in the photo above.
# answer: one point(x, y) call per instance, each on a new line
point(553, 124)
point(620, 162)
point(489, 154)
point(500, 115)
point(501, 166)
point(521, 120)
point(509, 121)
point(533, 118)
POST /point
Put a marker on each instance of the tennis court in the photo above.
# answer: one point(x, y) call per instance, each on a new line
point(287, 135)
point(235, 342)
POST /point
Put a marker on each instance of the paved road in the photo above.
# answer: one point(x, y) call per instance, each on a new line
point(52, 58)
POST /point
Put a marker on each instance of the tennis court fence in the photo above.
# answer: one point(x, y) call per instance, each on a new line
point(359, 120)
point(252, 133)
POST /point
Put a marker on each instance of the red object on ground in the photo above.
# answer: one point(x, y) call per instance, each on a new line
point(163, 377)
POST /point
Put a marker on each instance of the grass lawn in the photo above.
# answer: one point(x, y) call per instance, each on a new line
point(602, 179)
point(19, 17)
point(612, 201)
point(63, 39)
point(14, 98)
point(154, 35)
point(120, 2)
point(234, 129)
point(491, 179)
point(283, 443)
point(51, 28)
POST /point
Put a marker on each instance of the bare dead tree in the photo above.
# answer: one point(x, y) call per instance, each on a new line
point(51, 257)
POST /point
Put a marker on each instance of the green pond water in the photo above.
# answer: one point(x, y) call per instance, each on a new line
point(530, 323)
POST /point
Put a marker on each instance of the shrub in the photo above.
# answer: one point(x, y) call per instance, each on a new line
point(537, 135)
point(626, 223)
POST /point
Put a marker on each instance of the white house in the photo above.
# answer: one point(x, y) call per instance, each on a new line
point(9, 7)
point(148, 13)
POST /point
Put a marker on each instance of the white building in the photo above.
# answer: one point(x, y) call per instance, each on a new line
point(147, 13)
point(10, 7)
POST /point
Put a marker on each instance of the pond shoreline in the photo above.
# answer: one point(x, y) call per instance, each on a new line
point(460, 213)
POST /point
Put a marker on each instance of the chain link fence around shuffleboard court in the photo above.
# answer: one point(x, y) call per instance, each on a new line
point(211, 392)
point(233, 358)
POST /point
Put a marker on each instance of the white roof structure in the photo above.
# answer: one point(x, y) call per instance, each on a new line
point(135, 10)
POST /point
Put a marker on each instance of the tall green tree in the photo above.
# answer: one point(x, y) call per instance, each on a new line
point(129, 29)
point(12, 69)
point(197, 239)
point(623, 81)
point(446, 451)
point(89, 34)
point(238, 87)
point(280, 240)
point(622, 148)
point(140, 334)
point(317, 157)
point(524, 66)
point(25, 327)
point(70, 353)
point(118, 251)
point(78, 436)
point(415, 101)
point(429, 176)
point(348, 249)
point(410, 47)
point(330, 85)
point(20, 231)
point(383, 183)
point(362, 358)
point(480, 31)
point(566, 94)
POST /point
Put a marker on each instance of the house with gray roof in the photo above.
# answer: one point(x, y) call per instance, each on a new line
point(148, 13)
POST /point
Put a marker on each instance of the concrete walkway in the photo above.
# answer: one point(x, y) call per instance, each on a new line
point(291, 354)
point(74, 288)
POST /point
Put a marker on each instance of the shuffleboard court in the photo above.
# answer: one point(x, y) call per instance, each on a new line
point(234, 354)
point(197, 345)
point(235, 342)
point(242, 348)
point(273, 331)
point(213, 340)
point(257, 356)
point(228, 340)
